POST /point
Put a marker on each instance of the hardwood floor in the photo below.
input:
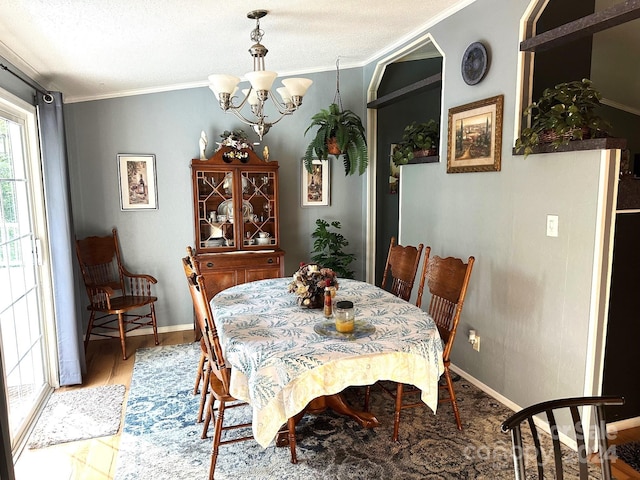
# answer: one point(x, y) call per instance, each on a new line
point(620, 470)
point(95, 459)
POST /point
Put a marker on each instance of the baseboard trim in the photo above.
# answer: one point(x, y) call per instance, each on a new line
point(486, 389)
point(568, 441)
point(625, 424)
point(146, 331)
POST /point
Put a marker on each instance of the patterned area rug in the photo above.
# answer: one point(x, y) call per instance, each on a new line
point(630, 453)
point(79, 415)
point(161, 439)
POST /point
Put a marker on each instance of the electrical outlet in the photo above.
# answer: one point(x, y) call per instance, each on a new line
point(476, 344)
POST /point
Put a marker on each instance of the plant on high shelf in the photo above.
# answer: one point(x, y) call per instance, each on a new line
point(328, 248)
point(418, 140)
point(340, 132)
point(563, 113)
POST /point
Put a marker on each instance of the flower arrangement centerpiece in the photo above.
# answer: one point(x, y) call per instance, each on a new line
point(238, 141)
point(309, 283)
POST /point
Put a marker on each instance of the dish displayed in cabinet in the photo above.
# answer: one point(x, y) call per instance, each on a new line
point(226, 208)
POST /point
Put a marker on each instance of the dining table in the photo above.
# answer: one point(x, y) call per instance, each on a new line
point(287, 360)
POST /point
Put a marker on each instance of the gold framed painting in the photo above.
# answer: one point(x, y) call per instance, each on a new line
point(475, 136)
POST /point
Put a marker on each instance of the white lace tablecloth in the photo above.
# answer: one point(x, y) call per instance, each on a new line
point(280, 363)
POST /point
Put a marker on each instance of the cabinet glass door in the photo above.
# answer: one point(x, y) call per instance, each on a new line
point(258, 199)
point(215, 209)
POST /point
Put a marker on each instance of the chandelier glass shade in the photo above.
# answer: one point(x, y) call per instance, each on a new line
point(260, 91)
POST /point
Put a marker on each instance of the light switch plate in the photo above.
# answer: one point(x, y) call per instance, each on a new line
point(552, 225)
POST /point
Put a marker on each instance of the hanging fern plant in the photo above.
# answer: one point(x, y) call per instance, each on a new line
point(340, 133)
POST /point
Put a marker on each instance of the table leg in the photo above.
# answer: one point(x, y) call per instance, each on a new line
point(337, 404)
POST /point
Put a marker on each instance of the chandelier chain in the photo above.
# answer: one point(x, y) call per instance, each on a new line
point(257, 33)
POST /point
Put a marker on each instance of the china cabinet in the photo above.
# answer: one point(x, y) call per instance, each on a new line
point(235, 195)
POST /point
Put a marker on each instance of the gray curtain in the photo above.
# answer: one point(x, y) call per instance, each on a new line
point(61, 237)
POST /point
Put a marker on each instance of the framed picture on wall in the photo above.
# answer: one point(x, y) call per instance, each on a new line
point(315, 189)
point(475, 136)
point(138, 188)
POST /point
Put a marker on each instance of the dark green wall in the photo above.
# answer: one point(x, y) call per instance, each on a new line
point(391, 122)
point(571, 61)
point(623, 329)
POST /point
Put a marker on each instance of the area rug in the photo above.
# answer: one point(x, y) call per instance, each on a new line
point(630, 454)
point(79, 415)
point(160, 438)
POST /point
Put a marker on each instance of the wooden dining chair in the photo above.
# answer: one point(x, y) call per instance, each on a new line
point(447, 280)
point(551, 408)
point(202, 370)
point(220, 375)
point(401, 268)
point(114, 292)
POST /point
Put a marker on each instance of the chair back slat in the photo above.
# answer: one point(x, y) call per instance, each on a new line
point(401, 268)
point(550, 408)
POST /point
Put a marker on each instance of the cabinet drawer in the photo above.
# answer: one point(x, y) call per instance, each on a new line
point(237, 261)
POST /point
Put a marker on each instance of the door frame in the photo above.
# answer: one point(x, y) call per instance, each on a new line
point(19, 108)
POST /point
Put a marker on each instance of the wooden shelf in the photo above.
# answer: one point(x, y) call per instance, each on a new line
point(419, 160)
point(609, 143)
point(616, 15)
point(413, 89)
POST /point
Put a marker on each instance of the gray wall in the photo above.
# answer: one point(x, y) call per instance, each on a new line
point(530, 295)
point(168, 125)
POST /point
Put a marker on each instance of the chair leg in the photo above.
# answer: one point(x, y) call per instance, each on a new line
point(396, 420)
point(217, 434)
point(122, 336)
point(199, 373)
point(154, 324)
point(452, 397)
point(89, 328)
point(291, 425)
point(209, 415)
point(203, 395)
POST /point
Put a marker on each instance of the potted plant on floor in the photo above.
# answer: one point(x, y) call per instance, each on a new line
point(328, 248)
point(418, 140)
point(340, 133)
point(563, 113)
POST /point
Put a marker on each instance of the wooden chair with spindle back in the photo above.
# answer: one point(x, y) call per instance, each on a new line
point(202, 371)
point(447, 280)
point(220, 371)
point(114, 292)
point(401, 269)
point(551, 408)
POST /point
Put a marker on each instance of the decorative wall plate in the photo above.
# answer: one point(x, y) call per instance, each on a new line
point(474, 63)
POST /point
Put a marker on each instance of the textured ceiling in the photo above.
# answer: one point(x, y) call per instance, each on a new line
point(90, 49)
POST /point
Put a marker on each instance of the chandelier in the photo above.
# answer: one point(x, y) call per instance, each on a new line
point(225, 86)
